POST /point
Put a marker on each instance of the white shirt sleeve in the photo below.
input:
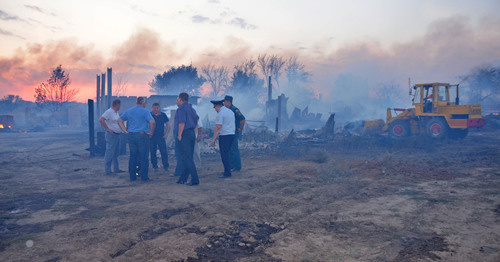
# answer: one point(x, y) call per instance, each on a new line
point(106, 115)
point(218, 119)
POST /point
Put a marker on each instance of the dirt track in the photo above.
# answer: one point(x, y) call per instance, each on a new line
point(359, 199)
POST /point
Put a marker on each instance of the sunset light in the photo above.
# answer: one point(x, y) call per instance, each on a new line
point(249, 130)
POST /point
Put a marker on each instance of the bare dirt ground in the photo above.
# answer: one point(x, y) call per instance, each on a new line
point(358, 199)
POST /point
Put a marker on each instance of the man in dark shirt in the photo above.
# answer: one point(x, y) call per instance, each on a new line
point(157, 141)
point(239, 119)
point(184, 124)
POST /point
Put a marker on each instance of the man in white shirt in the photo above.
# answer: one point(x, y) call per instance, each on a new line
point(225, 130)
point(109, 121)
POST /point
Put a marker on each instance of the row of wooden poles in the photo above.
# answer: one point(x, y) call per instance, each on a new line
point(103, 102)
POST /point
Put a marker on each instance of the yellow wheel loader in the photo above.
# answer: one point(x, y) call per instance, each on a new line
point(437, 113)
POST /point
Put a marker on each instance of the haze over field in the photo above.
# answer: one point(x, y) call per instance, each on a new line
point(341, 167)
point(350, 49)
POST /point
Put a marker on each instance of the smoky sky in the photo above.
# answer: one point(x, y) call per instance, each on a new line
point(348, 75)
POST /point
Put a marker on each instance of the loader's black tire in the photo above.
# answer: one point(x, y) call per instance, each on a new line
point(458, 134)
point(399, 129)
point(437, 128)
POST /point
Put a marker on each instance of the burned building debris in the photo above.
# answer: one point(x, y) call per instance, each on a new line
point(276, 112)
point(277, 116)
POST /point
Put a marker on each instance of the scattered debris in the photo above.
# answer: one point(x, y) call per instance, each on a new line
point(241, 241)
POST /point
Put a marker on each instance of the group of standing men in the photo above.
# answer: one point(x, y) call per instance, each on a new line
point(147, 131)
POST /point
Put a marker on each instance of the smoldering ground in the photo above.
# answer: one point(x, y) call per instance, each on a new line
point(356, 198)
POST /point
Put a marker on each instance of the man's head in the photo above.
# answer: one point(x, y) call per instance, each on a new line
point(116, 104)
point(141, 101)
point(156, 108)
point(228, 101)
point(182, 98)
point(217, 104)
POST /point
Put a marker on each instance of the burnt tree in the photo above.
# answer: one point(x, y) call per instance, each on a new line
point(56, 91)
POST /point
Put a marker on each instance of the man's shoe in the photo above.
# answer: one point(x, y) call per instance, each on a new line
point(192, 184)
point(119, 171)
point(180, 182)
point(224, 176)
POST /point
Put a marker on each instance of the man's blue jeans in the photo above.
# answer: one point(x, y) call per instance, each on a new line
point(235, 153)
point(139, 152)
point(112, 152)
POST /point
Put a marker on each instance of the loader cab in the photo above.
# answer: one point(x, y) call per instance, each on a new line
point(428, 98)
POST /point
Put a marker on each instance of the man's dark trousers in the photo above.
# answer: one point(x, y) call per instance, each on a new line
point(186, 146)
point(178, 168)
point(158, 143)
point(139, 151)
point(225, 143)
point(235, 153)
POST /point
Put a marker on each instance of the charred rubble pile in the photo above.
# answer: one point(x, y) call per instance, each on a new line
point(290, 142)
point(492, 121)
point(263, 139)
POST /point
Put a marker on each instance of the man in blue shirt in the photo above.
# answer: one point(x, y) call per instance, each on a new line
point(141, 126)
point(157, 141)
point(184, 123)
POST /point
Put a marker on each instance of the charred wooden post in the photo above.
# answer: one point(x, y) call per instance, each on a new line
point(103, 93)
point(269, 90)
point(279, 112)
point(100, 148)
point(291, 139)
point(277, 120)
point(98, 95)
point(329, 128)
point(110, 90)
point(91, 127)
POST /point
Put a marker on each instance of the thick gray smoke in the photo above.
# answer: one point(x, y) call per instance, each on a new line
point(361, 81)
point(357, 81)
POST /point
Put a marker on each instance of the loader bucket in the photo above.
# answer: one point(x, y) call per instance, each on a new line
point(373, 126)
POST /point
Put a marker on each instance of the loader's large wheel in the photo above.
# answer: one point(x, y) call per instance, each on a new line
point(458, 133)
point(399, 128)
point(437, 128)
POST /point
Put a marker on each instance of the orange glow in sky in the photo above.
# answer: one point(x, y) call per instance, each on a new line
point(374, 42)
